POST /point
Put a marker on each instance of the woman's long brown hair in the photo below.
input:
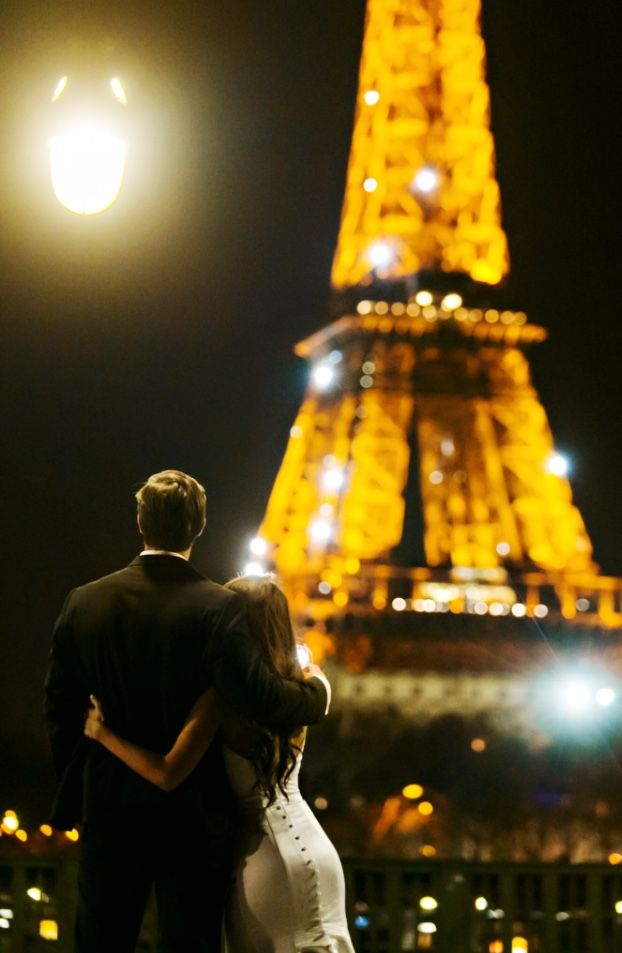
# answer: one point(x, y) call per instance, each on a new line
point(276, 749)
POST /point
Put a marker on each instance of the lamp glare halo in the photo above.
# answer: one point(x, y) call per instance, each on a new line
point(87, 167)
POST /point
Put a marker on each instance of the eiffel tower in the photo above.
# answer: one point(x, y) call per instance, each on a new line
point(422, 521)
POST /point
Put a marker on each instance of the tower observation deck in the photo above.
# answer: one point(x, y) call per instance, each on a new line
point(420, 493)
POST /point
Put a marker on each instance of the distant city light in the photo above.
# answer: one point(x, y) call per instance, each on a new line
point(424, 298)
point(335, 357)
point(10, 822)
point(371, 97)
point(605, 697)
point(325, 588)
point(399, 604)
point(557, 464)
point(503, 548)
point(428, 903)
point(481, 904)
point(35, 893)
point(478, 745)
point(320, 531)
point(320, 803)
point(426, 927)
point(380, 255)
point(48, 930)
point(576, 697)
point(428, 850)
point(436, 477)
point(370, 185)
point(426, 180)
point(447, 447)
point(333, 479)
point(451, 301)
point(323, 376)
point(258, 546)
point(426, 808)
point(519, 610)
point(412, 791)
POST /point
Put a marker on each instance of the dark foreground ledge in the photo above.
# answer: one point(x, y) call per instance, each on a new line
point(393, 906)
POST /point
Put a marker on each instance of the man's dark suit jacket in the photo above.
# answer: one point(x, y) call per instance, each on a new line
point(147, 640)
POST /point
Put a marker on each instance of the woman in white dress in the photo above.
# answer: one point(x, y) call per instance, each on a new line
point(288, 894)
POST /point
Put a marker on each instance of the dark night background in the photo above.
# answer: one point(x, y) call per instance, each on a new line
point(160, 334)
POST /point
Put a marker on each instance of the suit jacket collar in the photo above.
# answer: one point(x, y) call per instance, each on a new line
point(166, 564)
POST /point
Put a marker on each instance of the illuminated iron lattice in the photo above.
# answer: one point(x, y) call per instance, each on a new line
point(426, 392)
point(421, 173)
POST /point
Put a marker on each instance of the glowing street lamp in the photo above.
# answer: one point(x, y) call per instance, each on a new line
point(87, 153)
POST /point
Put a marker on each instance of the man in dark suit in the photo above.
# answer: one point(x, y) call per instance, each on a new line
point(147, 641)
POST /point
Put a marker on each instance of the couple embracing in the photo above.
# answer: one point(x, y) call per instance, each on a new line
point(185, 773)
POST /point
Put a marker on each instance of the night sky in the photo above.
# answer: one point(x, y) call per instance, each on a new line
point(160, 334)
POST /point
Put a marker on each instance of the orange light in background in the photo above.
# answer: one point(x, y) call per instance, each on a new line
point(412, 791)
point(425, 808)
point(48, 929)
point(615, 858)
point(10, 822)
point(72, 835)
point(496, 946)
point(478, 745)
point(428, 850)
point(21, 835)
point(46, 830)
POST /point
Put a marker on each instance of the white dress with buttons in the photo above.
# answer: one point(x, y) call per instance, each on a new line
point(289, 892)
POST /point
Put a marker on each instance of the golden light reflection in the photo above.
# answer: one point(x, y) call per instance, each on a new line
point(48, 929)
point(10, 822)
point(412, 791)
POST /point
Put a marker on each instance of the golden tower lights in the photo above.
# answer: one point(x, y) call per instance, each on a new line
point(421, 371)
